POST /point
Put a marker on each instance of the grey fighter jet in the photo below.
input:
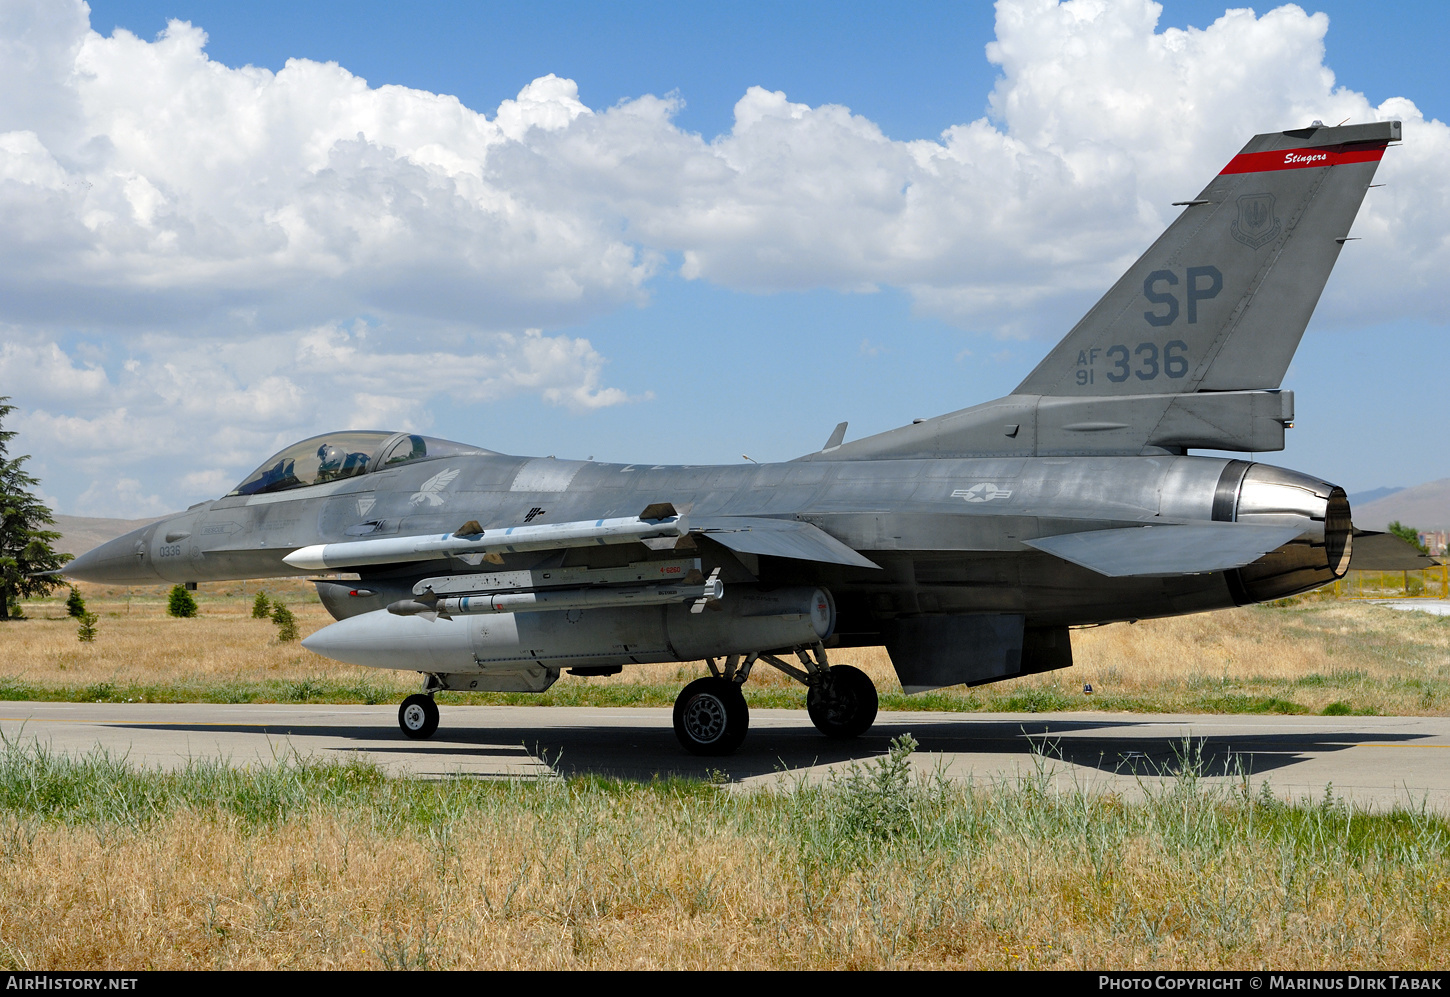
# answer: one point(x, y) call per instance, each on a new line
point(969, 544)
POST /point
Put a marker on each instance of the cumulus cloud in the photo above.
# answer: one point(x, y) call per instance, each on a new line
point(145, 174)
point(233, 244)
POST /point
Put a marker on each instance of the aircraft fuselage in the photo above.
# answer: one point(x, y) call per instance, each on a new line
point(949, 534)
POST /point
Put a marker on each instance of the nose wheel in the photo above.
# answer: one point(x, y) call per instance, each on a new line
point(711, 717)
point(418, 716)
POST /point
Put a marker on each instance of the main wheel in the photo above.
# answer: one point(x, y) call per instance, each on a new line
point(418, 716)
point(711, 717)
point(843, 704)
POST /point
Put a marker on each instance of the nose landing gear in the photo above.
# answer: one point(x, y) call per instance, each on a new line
point(418, 716)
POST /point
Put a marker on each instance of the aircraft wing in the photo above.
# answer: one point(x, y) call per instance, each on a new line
point(779, 538)
point(1167, 550)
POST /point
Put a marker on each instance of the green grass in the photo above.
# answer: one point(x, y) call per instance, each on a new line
point(871, 805)
point(1033, 700)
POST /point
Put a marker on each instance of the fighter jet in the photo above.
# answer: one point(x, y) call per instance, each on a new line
point(970, 544)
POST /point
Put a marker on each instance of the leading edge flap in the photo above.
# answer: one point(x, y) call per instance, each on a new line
point(779, 538)
point(1161, 551)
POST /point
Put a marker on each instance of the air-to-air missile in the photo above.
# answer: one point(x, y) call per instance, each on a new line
point(969, 544)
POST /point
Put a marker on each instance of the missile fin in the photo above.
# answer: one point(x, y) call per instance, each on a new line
point(658, 510)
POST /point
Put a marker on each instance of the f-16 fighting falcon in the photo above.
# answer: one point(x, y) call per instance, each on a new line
point(968, 544)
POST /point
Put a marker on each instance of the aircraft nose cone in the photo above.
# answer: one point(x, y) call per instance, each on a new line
point(122, 561)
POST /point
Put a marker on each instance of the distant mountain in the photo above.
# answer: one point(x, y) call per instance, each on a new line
point(79, 534)
point(1365, 498)
point(1425, 507)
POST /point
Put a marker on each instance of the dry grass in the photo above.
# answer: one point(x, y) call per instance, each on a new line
point(328, 867)
point(1313, 656)
point(141, 652)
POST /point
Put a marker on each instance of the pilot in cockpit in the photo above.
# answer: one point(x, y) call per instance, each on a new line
point(333, 462)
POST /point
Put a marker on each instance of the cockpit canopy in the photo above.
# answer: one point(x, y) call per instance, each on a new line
point(333, 456)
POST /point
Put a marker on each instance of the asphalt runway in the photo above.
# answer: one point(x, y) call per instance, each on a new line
point(1373, 761)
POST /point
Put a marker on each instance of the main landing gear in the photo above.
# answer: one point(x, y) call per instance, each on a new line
point(711, 717)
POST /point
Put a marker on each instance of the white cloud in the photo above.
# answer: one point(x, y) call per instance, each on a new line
point(212, 235)
point(150, 177)
point(45, 372)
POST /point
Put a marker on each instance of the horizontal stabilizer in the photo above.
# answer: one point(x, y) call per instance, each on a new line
point(1387, 552)
point(1161, 551)
point(779, 538)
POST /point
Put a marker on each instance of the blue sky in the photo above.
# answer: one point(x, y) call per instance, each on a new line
point(685, 362)
point(914, 68)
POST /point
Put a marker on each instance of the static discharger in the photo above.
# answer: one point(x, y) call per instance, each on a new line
point(655, 522)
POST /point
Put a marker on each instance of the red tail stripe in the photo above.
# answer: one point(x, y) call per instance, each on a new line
point(1302, 159)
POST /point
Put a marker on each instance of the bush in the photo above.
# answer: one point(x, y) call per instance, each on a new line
point(75, 606)
point(181, 603)
point(261, 608)
point(86, 632)
point(286, 623)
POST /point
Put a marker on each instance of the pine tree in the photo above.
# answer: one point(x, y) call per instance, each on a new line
point(180, 603)
point(75, 606)
point(86, 632)
point(25, 549)
point(261, 609)
point(286, 623)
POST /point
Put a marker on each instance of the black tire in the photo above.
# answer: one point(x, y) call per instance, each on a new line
point(418, 716)
point(844, 704)
point(711, 717)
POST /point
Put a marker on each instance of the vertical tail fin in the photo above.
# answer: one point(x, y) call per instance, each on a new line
point(1220, 301)
point(1188, 348)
